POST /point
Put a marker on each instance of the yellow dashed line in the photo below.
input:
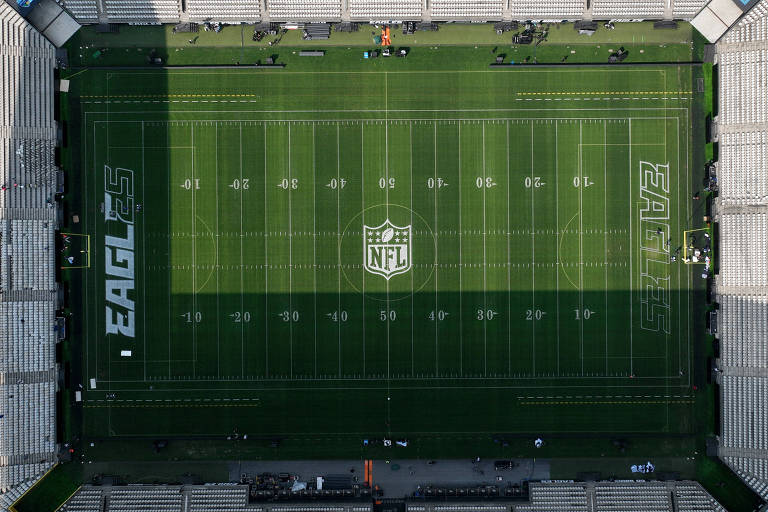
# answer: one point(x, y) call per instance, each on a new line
point(172, 96)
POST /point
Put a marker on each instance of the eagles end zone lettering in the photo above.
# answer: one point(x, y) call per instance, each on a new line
point(119, 252)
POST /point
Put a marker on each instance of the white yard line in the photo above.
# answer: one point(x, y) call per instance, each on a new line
point(194, 257)
point(581, 252)
point(314, 243)
point(386, 202)
point(290, 256)
point(338, 235)
point(485, 298)
point(461, 308)
point(557, 244)
point(242, 305)
point(509, 272)
point(631, 226)
point(362, 203)
point(605, 233)
point(533, 267)
point(216, 258)
point(266, 263)
point(437, 353)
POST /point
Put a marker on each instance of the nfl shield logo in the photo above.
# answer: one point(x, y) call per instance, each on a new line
point(387, 249)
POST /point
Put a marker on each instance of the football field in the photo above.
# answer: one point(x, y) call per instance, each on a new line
point(399, 253)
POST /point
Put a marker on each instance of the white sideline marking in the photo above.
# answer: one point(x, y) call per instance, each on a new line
point(435, 122)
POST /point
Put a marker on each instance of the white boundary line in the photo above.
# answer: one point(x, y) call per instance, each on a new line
point(373, 121)
point(144, 253)
point(435, 121)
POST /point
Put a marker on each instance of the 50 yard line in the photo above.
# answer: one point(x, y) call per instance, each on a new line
point(437, 360)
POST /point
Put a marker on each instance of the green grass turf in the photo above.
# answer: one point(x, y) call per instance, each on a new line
point(538, 300)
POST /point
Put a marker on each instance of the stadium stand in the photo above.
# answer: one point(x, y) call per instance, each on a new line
point(231, 11)
point(466, 9)
point(753, 27)
point(189, 498)
point(629, 9)
point(84, 11)
point(144, 11)
point(385, 10)
point(631, 496)
point(555, 9)
point(27, 281)
point(686, 9)
point(305, 10)
point(224, 10)
point(742, 283)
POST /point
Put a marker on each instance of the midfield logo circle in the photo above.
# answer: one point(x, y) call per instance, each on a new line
point(398, 245)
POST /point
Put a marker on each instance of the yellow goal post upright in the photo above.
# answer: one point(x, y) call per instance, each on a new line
point(80, 252)
point(688, 247)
